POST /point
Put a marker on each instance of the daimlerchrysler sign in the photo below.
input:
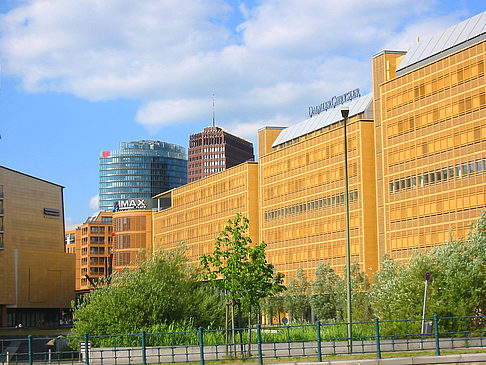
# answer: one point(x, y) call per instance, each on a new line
point(335, 101)
point(133, 204)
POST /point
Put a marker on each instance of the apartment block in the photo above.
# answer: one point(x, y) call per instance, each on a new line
point(94, 242)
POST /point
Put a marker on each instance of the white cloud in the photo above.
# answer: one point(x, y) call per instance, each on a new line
point(94, 202)
point(172, 56)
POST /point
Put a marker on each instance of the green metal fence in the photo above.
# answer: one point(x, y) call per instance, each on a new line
point(314, 341)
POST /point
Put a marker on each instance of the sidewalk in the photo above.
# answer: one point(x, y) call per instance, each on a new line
point(473, 359)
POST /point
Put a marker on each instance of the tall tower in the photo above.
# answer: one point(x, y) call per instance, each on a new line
point(140, 170)
point(214, 150)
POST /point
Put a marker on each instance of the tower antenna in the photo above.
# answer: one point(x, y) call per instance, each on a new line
point(213, 110)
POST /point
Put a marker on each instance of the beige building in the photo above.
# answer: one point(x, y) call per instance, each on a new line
point(37, 276)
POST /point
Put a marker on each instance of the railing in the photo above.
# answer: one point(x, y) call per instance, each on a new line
point(313, 341)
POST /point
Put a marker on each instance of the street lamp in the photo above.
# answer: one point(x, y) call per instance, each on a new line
point(345, 115)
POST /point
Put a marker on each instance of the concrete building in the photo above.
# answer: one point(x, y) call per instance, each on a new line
point(37, 275)
point(214, 150)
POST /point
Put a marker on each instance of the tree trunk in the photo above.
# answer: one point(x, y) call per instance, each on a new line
point(226, 326)
point(240, 325)
point(233, 337)
point(249, 331)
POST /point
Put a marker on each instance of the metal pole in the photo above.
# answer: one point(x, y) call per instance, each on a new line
point(29, 338)
point(259, 343)
point(423, 311)
point(436, 333)
point(345, 114)
point(86, 349)
point(201, 346)
point(144, 353)
point(377, 333)
point(319, 341)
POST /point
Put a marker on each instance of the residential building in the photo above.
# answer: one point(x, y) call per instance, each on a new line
point(140, 170)
point(70, 241)
point(37, 275)
point(214, 150)
point(94, 250)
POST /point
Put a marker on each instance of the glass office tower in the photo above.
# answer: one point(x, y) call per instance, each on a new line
point(140, 170)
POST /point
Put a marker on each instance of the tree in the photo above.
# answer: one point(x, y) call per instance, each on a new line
point(326, 296)
point(297, 296)
point(149, 296)
point(456, 287)
point(239, 269)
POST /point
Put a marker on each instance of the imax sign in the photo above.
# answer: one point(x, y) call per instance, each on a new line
point(130, 204)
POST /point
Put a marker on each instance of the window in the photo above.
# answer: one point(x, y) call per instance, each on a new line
point(1, 241)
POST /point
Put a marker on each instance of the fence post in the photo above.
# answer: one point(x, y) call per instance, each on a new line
point(144, 353)
point(201, 345)
point(436, 330)
point(319, 351)
point(377, 330)
point(29, 339)
point(259, 341)
point(86, 349)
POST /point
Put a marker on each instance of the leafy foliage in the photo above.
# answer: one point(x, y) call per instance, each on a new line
point(238, 268)
point(327, 298)
point(456, 288)
point(164, 290)
point(297, 296)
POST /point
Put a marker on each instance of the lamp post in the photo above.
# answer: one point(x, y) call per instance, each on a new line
point(345, 115)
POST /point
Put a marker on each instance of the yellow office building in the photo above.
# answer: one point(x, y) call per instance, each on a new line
point(197, 212)
point(302, 182)
point(430, 123)
point(417, 167)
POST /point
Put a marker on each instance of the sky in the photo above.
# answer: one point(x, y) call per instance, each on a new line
point(77, 77)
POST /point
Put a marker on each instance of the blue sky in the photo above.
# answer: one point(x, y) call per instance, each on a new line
point(79, 76)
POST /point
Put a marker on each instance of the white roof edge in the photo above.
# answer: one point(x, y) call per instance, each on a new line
point(323, 119)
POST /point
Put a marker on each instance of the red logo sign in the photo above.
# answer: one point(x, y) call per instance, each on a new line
point(106, 154)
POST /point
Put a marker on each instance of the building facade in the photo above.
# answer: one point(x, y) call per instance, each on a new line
point(214, 150)
point(94, 250)
point(198, 212)
point(302, 192)
point(70, 241)
point(132, 238)
point(36, 276)
point(140, 170)
point(430, 138)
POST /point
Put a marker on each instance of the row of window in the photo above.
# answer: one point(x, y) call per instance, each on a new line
point(442, 175)
point(311, 206)
point(93, 250)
